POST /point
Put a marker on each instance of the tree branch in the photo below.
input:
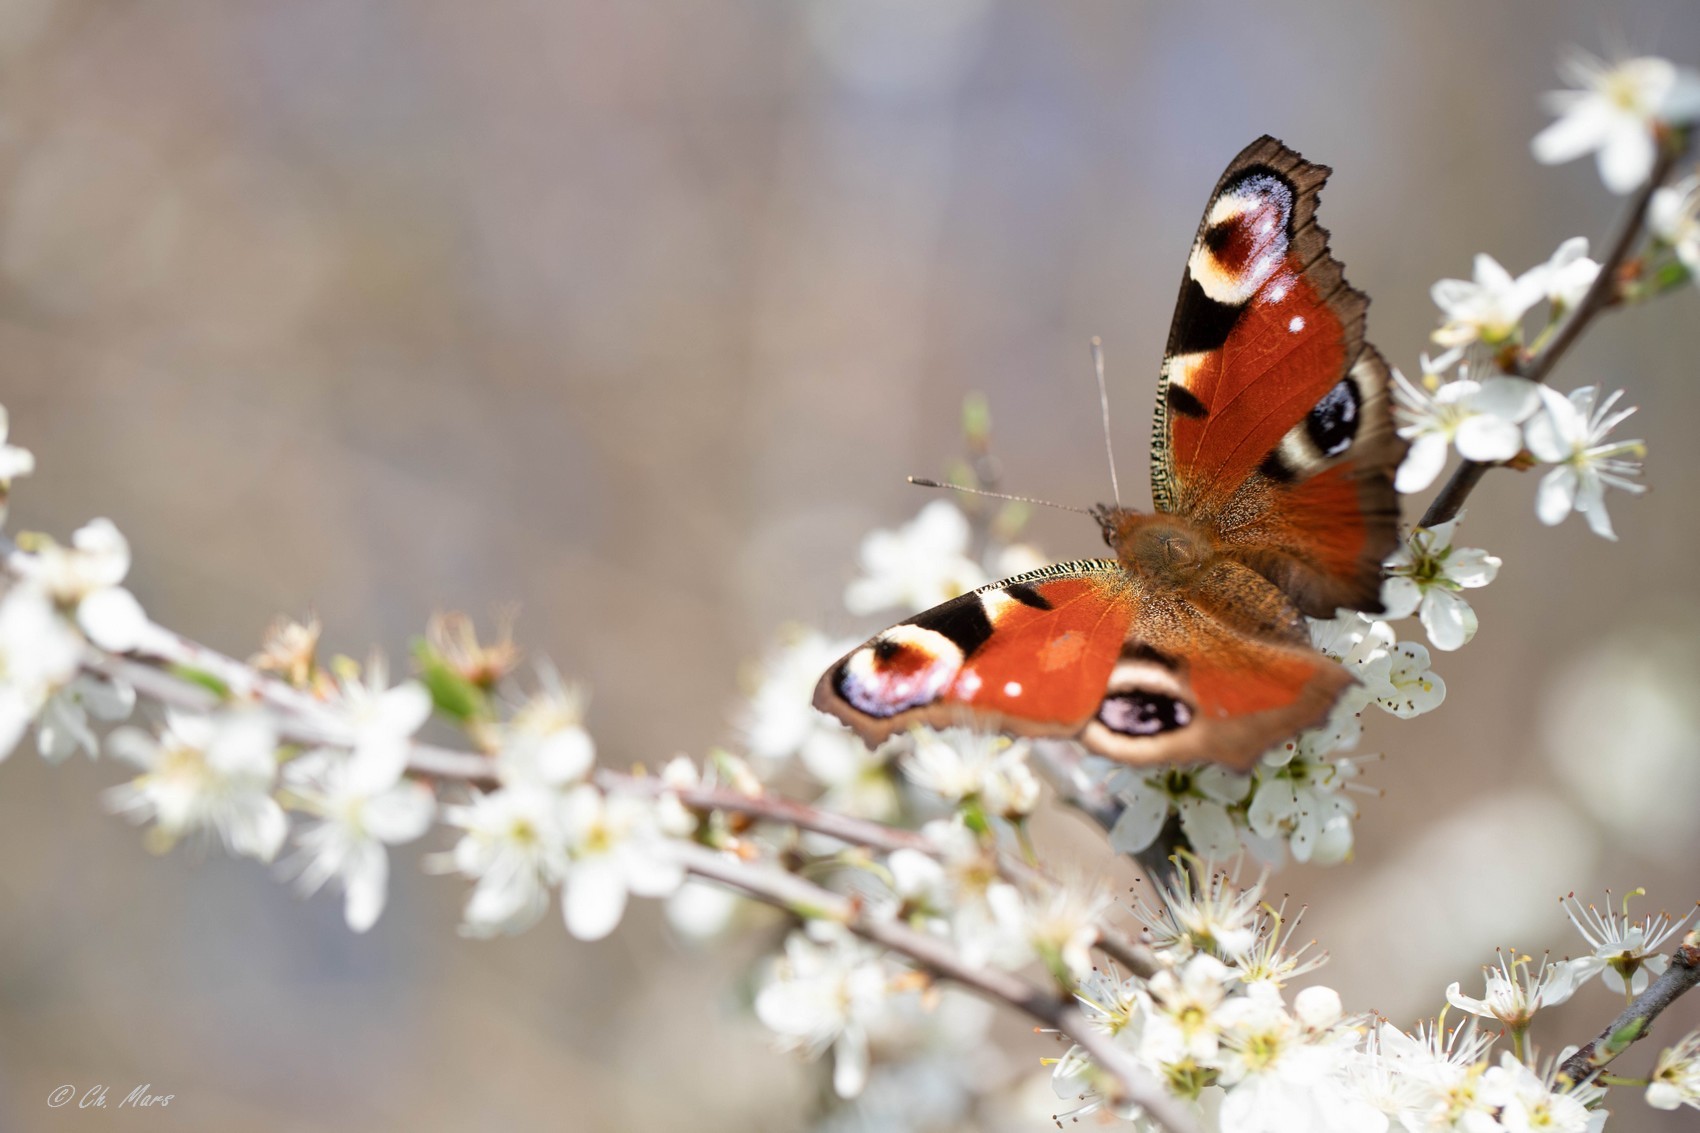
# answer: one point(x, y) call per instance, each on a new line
point(1605, 290)
point(787, 891)
point(1632, 1025)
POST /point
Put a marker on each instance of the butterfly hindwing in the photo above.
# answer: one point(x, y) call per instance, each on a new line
point(1085, 650)
point(1188, 688)
point(1274, 424)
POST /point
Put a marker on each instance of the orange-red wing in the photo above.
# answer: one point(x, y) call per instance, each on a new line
point(1084, 650)
point(1274, 423)
point(1189, 688)
point(1029, 655)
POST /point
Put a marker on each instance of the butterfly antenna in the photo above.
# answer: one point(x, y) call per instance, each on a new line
point(923, 482)
point(1104, 402)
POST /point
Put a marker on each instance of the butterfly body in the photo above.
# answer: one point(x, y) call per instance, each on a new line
point(1272, 468)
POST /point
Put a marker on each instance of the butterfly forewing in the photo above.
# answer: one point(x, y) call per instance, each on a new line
point(1274, 426)
point(1030, 654)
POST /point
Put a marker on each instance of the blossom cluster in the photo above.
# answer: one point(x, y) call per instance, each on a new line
point(1216, 1024)
point(319, 756)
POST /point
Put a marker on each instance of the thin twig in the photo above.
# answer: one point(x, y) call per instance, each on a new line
point(1601, 294)
point(1632, 1025)
point(776, 808)
point(788, 891)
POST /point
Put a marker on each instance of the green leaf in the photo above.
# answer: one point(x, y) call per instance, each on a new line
point(452, 694)
point(1624, 1035)
point(203, 678)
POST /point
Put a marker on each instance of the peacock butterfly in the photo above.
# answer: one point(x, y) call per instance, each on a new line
point(1273, 454)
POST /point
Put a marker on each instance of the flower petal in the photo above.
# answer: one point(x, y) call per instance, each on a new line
point(1422, 464)
point(595, 898)
point(1448, 619)
point(1556, 496)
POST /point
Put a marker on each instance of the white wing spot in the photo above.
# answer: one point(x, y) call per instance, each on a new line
point(1297, 324)
point(1012, 689)
point(968, 684)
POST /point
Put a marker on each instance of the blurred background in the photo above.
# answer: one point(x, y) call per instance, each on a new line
point(637, 315)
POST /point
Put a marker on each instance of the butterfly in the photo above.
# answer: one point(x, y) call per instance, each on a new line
point(1272, 464)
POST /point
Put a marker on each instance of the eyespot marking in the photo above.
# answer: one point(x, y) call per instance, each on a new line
point(1139, 712)
point(1333, 424)
point(904, 667)
point(1245, 238)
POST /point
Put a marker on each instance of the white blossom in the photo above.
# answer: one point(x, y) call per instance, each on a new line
point(1531, 1103)
point(205, 774)
point(1299, 797)
point(859, 780)
point(1202, 910)
point(825, 992)
point(962, 894)
point(1286, 1074)
point(1675, 1080)
point(1429, 1080)
point(1185, 1018)
point(353, 821)
point(1626, 953)
point(1366, 648)
point(1425, 577)
point(1481, 418)
point(545, 741)
point(38, 655)
point(917, 566)
point(1489, 307)
point(1273, 959)
point(85, 577)
point(701, 910)
point(381, 720)
point(514, 848)
point(780, 721)
point(1568, 275)
point(964, 766)
point(1201, 796)
point(1064, 928)
point(1570, 432)
point(1674, 217)
point(1111, 1002)
point(1617, 110)
point(1517, 988)
point(63, 726)
point(616, 847)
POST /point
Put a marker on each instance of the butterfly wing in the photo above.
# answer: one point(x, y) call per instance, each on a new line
point(1274, 419)
point(1029, 655)
point(1085, 650)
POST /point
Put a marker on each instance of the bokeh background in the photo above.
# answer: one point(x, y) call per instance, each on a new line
point(637, 314)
